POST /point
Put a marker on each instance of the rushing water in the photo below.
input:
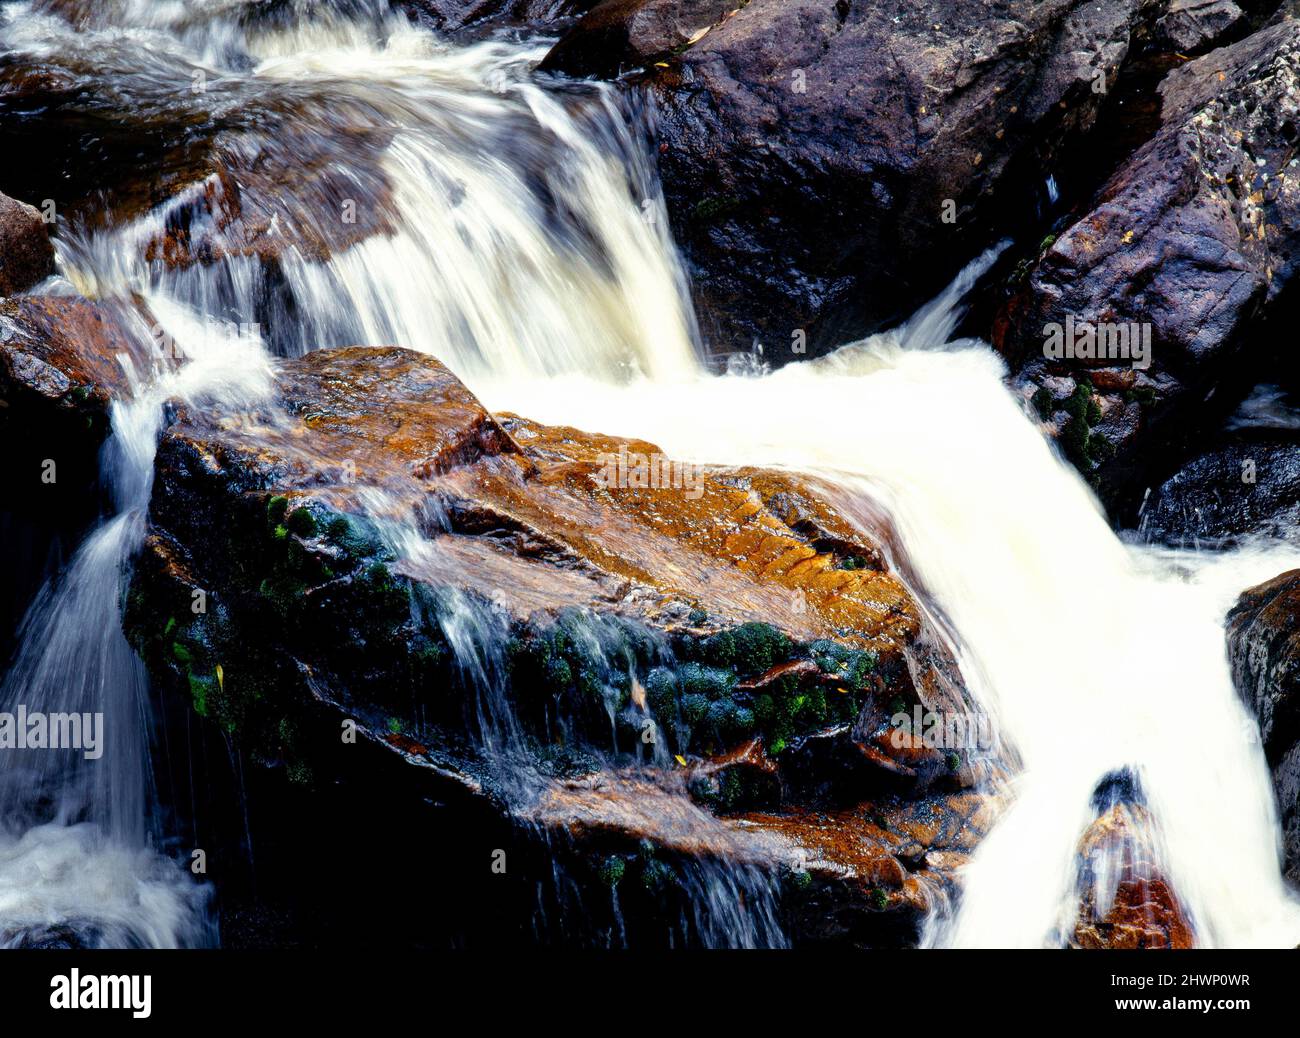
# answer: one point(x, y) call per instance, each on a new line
point(514, 228)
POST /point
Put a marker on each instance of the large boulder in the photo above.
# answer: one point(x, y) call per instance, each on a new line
point(515, 617)
point(827, 165)
point(1264, 650)
point(26, 253)
point(1245, 487)
point(1142, 307)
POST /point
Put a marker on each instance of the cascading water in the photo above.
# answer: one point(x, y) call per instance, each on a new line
point(515, 230)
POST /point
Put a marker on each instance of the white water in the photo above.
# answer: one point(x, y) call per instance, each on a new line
point(1090, 655)
point(530, 255)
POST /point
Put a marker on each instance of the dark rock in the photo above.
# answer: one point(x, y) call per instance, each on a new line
point(1192, 241)
point(1264, 650)
point(1243, 488)
point(809, 148)
point(617, 35)
point(1190, 26)
point(26, 254)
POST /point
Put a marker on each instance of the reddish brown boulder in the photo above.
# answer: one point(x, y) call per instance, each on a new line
point(26, 254)
point(1126, 902)
point(511, 627)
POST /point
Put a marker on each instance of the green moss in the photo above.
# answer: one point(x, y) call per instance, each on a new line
point(1083, 411)
point(657, 877)
point(199, 689)
point(714, 207)
point(302, 522)
point(878, 899)
point(612, 870)
point(276, 508)
point(760, 647)
point(1043, 402)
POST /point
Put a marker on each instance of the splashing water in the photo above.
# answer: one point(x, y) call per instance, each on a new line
point(1090, 655)
point(515, 230)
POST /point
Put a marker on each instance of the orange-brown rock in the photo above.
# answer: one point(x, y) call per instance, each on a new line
point(495, 614)
point(859, 872)
point(1126, 902)
point(26, 255)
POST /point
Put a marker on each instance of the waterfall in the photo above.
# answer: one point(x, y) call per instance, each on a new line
point(514, 228)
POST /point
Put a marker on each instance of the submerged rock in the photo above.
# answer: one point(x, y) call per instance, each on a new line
point(457, 16)
point(493, 606)
point(1172, 265)
point(829, 166)
point(26, 253)
point(1126, 902)
point(1264, 650)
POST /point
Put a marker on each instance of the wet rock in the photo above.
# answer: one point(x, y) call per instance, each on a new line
point(743, 778)
point(865, 875)
point(1264, 650)
point(26, 254)
point(617, 35)
point(265, 197)
point(457, 16)
point(1188, 245)
point(1242, 488)
point(63, 359)
point(1126, 902)
point(517, 515)
point(810, 151)
point(356, 543)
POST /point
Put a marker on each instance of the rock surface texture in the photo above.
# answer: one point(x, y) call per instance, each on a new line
point(1189, 245)
point(710, 667)
point(830, 165)
point(1264, 649)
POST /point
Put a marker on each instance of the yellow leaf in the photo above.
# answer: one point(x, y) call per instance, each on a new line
point(661, 64)
point(1128, 237)
point(680, 759)
point(221, 678)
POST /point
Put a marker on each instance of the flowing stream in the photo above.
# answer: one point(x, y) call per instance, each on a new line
point(442, 198)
